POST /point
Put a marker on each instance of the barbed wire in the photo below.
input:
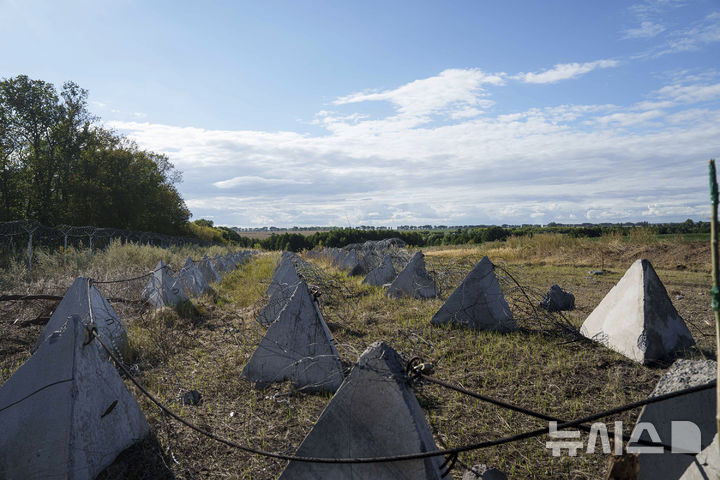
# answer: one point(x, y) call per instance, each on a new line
point(578, 422)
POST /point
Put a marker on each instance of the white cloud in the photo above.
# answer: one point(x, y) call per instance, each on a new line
point(451, 91)
point(565, 71)
point(645, 30)
point(556, 164)
point(702, 33)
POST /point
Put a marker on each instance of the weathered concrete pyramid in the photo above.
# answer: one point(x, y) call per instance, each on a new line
point(65, 413)
point(207, 267)
point(192, 279)
point(637, 318)
point(697, 408)
point(384, 273)
point(373, 413)
point(221, 264)
point(478, 302)
point(162, 290)
point(297, 347)
point(282, 285)
point(414, 281)
point(110, 327)
point(706, 465)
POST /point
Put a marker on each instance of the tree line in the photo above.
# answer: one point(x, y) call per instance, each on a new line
point(461, 236)
point(59, 166)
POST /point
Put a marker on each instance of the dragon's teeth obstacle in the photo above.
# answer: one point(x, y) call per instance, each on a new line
point(282, 285)
point(65, 413)
point(75, 304)
point(192, 279)
point(373, 414)
point(414, 281)
point(478, 302)
point(162, 290)
point(384, 273)
point(637, 318)
point(297, 347)
point(207, 267)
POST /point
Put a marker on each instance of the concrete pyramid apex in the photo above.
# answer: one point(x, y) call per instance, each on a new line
point(384, 273)
point(297, 347)
point(75, 304)
point(637, 318)
point(207, 267)
point(221, 263)
point(192, 279)
point(374, 413)
point(282, 285)
point(162, 290)
point(65, 413)
point(414, 281)
point(478, 302)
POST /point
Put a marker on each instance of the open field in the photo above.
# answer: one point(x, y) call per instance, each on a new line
point(262, 235)
point(540, 367)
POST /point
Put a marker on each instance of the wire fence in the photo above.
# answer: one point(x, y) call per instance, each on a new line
point(22, 237)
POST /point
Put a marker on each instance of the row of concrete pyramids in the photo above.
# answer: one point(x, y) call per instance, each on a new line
point(636, 318)
point(65, 413)
point(164, 290)
point(372, 413)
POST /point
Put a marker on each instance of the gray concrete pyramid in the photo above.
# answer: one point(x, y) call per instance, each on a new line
point(414, 281)
point(698, 408)
point(110, 327)
point(207, 267)
point(706, 465)
point(384, 273)
point(374, 413)
point(297, 347)
point(637, 318)
point(282, 285)
point(162, 290)
point(192, 279)
point(478, 302)
point(222, 265)
point(65, 413)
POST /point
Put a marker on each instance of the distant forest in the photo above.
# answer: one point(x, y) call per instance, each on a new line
point(460, 236)
point(59, 166)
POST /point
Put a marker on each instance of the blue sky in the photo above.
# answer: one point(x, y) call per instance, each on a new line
point(406, 112)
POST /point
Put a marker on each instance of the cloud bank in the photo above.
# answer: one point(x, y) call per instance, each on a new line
point(447, 154)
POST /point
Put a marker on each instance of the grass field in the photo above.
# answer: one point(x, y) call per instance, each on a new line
point(540, 366)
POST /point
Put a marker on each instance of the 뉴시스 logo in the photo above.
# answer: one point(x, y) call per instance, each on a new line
point(685, 438)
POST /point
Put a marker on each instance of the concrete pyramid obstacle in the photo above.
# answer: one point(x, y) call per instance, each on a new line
point(297, 347)
point(162, 290)
point(706, 465)
point(221, 264)
point(65, 413)
point(414, 281)
point(192, 279)
point(282, 285)
point(74, 304)
point(374, 413)
point(697, 408)
point(637, 318)
point(207, 267)
point(478, 302)
point(385, 273)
